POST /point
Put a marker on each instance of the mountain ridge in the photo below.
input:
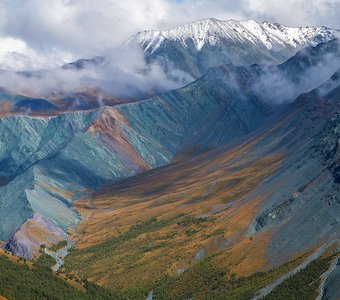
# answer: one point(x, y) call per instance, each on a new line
point(196, 46)
point(206, 30)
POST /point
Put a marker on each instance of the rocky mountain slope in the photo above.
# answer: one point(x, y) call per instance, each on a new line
point(240, 210)
point(61, 158)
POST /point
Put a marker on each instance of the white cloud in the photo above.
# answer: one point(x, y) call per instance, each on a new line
point(16, 55)
point(44, 33)
point(124, 74)
point(297, 12)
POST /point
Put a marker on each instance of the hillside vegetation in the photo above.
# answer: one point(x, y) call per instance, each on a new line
point(27, 281)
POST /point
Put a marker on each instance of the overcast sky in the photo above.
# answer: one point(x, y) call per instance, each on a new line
point(38, 34)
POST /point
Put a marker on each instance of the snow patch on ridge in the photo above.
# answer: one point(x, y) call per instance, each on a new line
point(212, 31)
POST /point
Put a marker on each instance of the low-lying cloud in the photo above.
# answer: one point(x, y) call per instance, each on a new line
point(279, 85)
point(124, 73)
point(38, 34)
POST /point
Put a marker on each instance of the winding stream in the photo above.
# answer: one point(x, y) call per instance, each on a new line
point(59, 255)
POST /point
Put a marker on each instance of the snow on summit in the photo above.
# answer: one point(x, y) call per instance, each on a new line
point(212, 31)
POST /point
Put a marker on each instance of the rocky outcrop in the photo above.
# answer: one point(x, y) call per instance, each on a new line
point(28, 240)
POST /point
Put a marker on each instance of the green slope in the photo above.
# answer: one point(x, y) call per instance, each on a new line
point(23, 281)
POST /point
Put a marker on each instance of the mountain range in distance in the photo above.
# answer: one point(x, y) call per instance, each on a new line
point(197, 46)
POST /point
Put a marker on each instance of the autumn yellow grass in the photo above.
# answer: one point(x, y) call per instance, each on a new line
point(201, 205)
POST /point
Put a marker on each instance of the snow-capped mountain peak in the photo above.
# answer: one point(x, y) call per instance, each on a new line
point(211, 31)
point(197, 46)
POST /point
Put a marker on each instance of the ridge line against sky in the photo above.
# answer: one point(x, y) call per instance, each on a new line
point(37, 34)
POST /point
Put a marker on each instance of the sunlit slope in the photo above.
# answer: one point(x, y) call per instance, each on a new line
point(255, 205)
point(164, 220)
point(55, 159)
point(48, 162)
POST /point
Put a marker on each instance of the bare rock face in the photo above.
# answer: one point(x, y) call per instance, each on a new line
point(27, 241)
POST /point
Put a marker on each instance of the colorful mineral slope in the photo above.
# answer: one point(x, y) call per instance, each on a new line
point(65, 157)
point(248, 207)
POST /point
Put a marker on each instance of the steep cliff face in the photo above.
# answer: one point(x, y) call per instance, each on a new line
point(27, 140)
point(29, 185)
